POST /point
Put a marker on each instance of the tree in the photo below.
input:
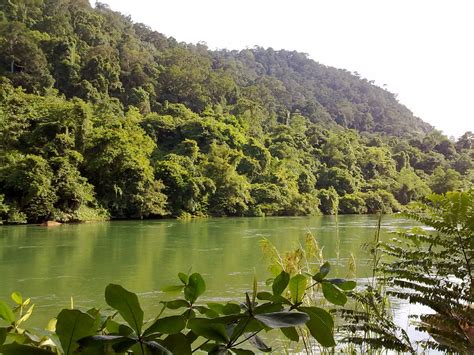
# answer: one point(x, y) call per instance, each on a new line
point(118, 165)
point(28, 179)
point(444, 180)
point(375, 162)
point(22, 60)
point(352, 204)
point(340, 179)
point(4, 208)
point(409, 186)
point(186, 189)
point(329, 201)
point(463, 163)
point(465, 142)
point(232, 195)
point(381, 201)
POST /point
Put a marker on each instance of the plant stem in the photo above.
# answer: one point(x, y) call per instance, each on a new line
point(232, 341)
point(199, 347)
point(247, 338)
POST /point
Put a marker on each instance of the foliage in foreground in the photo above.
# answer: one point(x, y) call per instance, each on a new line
point(182, 326)
point(432, 267)
point(435, 268)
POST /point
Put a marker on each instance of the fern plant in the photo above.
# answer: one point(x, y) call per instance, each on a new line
point(434, 267)
point(368, 324)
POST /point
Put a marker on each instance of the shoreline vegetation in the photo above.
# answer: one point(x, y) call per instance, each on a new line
point(51, 223)
point(101, 117)
point(310, 311)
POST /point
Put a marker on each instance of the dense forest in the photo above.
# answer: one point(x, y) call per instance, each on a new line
point(101, 118)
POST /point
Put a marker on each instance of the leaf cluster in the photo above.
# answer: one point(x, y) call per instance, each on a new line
point(183, 325)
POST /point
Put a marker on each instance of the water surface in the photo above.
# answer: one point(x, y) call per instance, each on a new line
point(52, 264)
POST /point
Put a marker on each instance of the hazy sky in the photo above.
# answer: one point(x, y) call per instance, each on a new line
point(423, 50)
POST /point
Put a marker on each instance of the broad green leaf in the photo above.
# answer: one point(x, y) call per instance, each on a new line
point(239, 351)
point(167, 325)
point(280, 283)
point(346, 285)
point(157, 349)
point(268, 307)
point(280, 299)
point(325, 268)
point(3, 335)
point(100, 340)
point(231, 309)
point(178, 344)
point(126, 303)
point(264, 296)
point(259, 343)
point(282, 319)
point(17, 298)
point(201, 309)
point(6, 313)
point(183, 277)
point(323, 271)
point(124, 345)
point(195, 287)
point(291, 333)
point(20, 349)
point(209, 329)
point(320, 325)
point(247, 325)
point(112, 326)
point(297, 288)
point(333, 294)
point(216, 307)
point(71, 326)
point(211, 313)
point(189, 313)
point(125, 330)
point(175, 304)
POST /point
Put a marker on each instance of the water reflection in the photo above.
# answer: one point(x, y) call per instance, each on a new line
point(52, 264)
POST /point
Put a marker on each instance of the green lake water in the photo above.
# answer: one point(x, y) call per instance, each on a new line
point(52, 264)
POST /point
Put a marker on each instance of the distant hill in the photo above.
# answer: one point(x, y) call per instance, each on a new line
point(95, 53)
point(322, 93)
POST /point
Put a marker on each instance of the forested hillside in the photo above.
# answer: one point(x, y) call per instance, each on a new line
point(102, 117)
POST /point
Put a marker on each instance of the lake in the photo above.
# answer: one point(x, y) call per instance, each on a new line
point(52, 264)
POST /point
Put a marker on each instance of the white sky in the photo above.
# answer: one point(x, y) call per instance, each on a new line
point(423, 50)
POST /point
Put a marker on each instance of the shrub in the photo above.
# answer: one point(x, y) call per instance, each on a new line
point(329, 200)
point(352, 204)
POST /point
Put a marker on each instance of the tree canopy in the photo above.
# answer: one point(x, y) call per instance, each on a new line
point(102, 117)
